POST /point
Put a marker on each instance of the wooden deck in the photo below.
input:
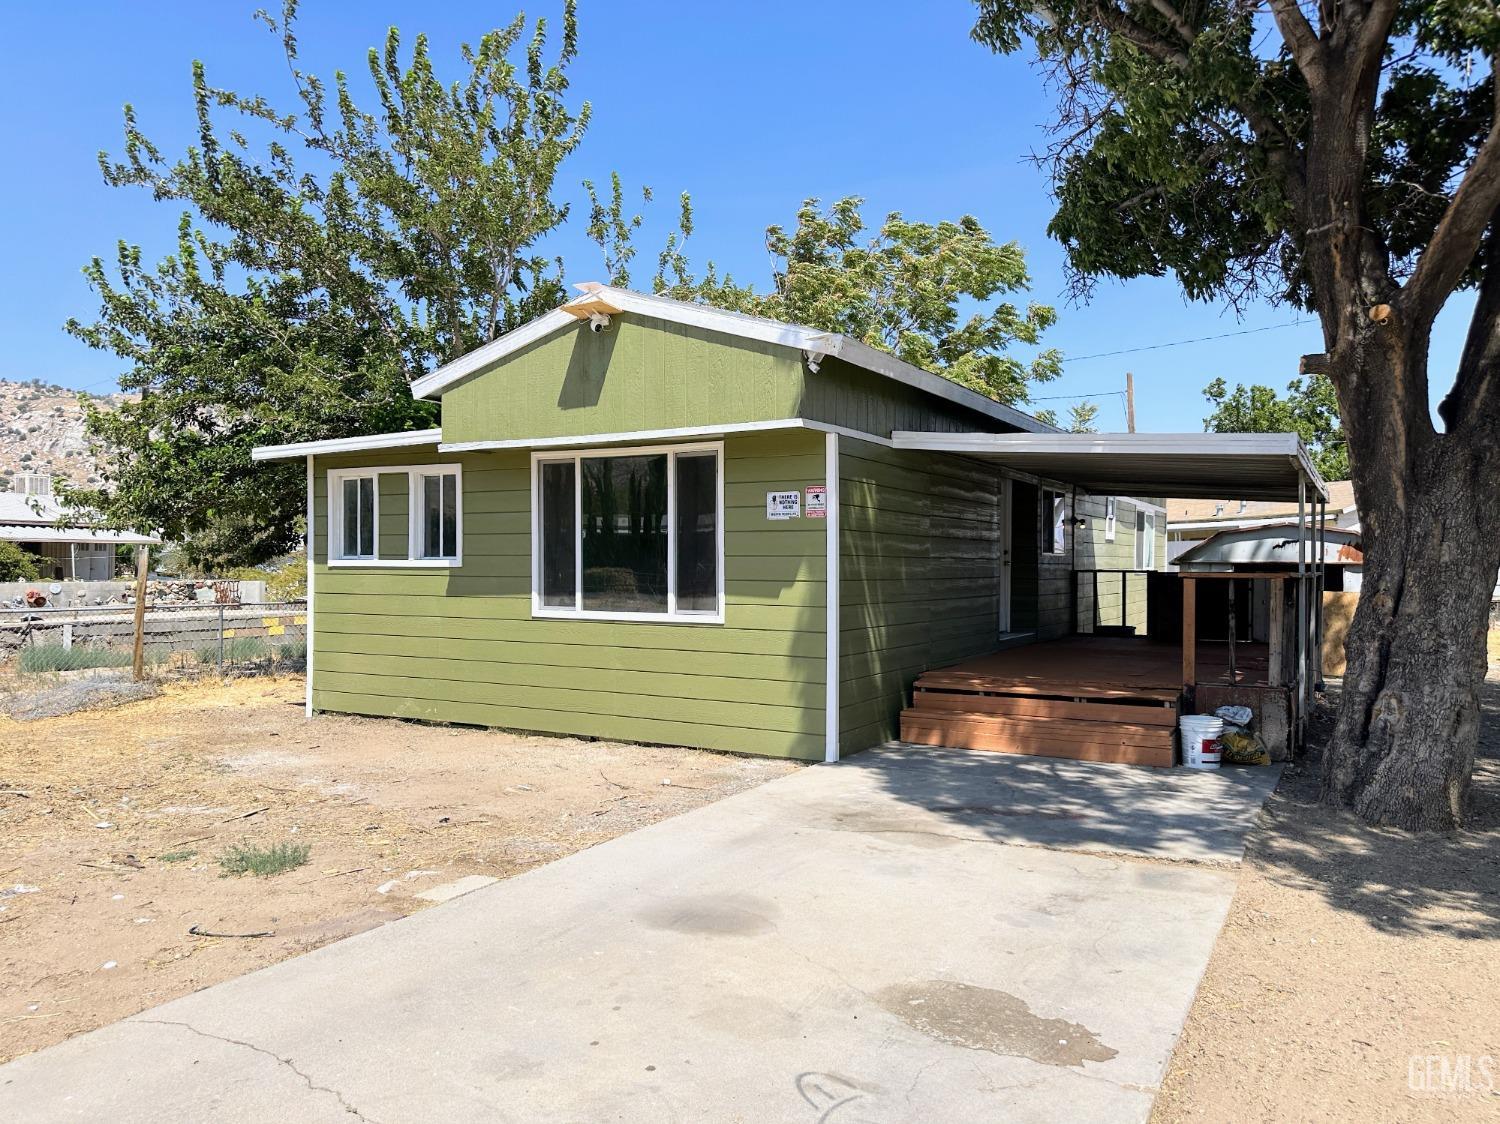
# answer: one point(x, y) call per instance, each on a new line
point(1111, 699)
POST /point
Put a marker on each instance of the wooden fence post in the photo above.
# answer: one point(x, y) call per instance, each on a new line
point(138, 657)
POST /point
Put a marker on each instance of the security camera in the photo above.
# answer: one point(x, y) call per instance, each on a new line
point(598, 322)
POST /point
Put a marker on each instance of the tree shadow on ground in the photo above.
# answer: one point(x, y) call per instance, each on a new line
point(1398, 881)
point(1047, 802)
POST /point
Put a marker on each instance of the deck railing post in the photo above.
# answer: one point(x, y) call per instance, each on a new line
point(1189, 636)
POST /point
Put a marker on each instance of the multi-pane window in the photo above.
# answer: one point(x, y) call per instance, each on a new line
point(406, 515)
point(629, 534)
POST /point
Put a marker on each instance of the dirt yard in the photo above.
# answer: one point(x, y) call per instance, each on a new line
point(113, 822)
point(1358, 974)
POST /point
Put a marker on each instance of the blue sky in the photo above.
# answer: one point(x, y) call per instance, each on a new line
point(750, 108)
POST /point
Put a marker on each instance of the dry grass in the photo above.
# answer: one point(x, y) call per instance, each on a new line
point(114, 822)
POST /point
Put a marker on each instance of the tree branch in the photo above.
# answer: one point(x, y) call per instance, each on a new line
point(1174, 18)
point(1456, 239)
point(1470, 402)
point(1306, 48)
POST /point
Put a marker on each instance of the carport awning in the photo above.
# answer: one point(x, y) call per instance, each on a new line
point(1252, 466)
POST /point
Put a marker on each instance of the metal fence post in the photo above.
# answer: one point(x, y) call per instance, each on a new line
point(221, 638)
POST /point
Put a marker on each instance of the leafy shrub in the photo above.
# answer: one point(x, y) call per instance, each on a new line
point(247, 858)
point(17, 565)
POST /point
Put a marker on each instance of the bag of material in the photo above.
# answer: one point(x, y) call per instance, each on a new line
point(1240, 748)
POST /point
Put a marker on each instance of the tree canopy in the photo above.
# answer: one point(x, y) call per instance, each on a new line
point(1310, 410)
point(1344, 157)
point(324, 258)
point(901, 288)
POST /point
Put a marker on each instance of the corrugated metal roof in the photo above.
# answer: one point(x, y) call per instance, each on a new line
point(1255, 465)
point(40, 532)
point(1275, 543)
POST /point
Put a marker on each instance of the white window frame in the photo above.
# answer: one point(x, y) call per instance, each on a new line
point(1111, 517)
point(1145, 539)
point(413, 474)
point(673, 615)
point(1051, 547)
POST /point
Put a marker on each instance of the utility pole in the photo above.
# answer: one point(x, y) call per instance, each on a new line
point(1129, 402)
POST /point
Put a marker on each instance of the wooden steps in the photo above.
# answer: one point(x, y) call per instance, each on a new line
point(1098, 721)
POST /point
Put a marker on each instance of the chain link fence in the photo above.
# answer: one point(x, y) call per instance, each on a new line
point(177, 640)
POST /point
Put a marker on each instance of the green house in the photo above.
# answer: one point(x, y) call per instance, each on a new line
point(654, 521)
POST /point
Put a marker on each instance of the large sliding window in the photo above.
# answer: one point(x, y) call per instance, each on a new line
point(632, 534)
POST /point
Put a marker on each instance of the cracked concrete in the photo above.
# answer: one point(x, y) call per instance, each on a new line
point(736, 963)
point(291, 1065)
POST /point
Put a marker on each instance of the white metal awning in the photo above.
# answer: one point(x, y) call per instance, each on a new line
point(1252, 466)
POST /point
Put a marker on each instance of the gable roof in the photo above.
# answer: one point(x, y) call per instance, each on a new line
point(1221, 512)
point(814, 344)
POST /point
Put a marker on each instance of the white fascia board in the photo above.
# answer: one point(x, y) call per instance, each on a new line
point(633, 436)
point(472, 362)
point(1105, 444)
point(368, 442)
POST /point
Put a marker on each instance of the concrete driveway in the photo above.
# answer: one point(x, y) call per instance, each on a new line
point(909, 936)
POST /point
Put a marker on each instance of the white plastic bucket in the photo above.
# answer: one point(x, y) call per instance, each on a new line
point(1200, 740)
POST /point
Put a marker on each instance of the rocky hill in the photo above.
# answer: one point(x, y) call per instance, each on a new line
point(41, 430)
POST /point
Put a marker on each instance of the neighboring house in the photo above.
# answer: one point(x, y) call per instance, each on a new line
point(654, 521)
point(1191, 521)
point(69, 546)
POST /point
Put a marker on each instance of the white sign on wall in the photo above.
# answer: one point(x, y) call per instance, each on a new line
point(817, 501)
point(783, 505)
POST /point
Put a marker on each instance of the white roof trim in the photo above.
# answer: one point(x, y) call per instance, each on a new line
point(813, 343)
point(633, 435)
point(347, 444)
point(481, 357)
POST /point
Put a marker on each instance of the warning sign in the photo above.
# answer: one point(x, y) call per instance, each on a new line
point(817, 502)
point(783, 505)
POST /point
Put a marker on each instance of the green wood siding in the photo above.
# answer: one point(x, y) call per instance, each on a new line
point(1118, 603)
point(644, 373)
point(641, 374)
point(460, 644)
point(919, 543)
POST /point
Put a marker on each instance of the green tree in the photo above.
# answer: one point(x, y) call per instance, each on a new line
point(1082, 417)
point(1344, 157)
point(900, 290)
point(1310, 410)
point(16, 564)
point(325, 257)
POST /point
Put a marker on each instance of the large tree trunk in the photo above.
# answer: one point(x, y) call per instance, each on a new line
point(1403, 748)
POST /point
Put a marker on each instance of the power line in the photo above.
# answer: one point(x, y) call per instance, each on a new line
point(1184, 343)
point(1059, 397)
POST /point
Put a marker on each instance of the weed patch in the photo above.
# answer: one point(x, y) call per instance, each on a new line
point(247, 858)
